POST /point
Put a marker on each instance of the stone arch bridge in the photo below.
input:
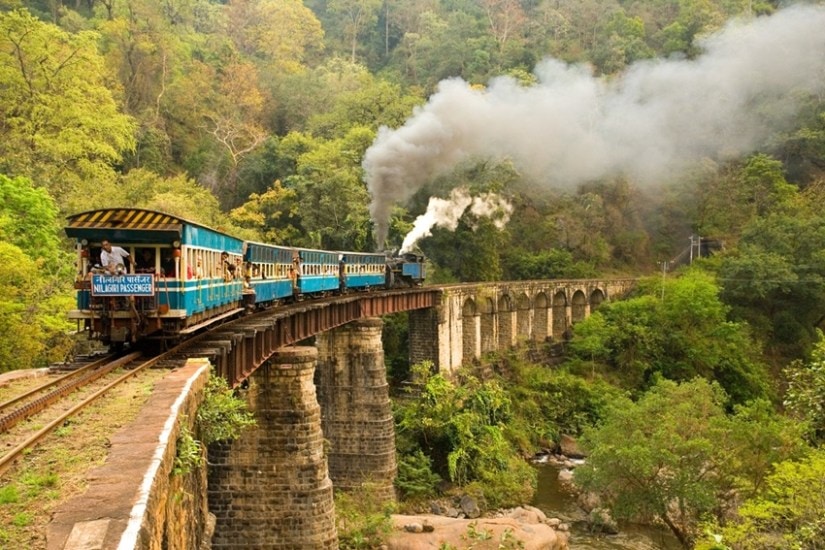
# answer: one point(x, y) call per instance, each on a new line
point(323, 412)
point(472, 319)
point(449, 325)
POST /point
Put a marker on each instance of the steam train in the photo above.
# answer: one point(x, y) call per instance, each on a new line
point(183, 276)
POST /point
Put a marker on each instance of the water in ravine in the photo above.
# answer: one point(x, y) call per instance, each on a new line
point(552, 499)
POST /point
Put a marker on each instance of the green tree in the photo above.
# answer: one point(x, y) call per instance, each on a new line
point(332, 196)
point(667, 457)
point(805, 396)
point(522, 264)
point(622, 43)
point(787, 514)
point(35, 274)
point(373, 104)
point(678, 330)
point(272, 215)
point(284, 34)
point(61, 125)
point(774, 278)
point(695, 18)
point(461, 427)
point(469, 253)
point(179, 195)
point(647, 455)
point(357, 15)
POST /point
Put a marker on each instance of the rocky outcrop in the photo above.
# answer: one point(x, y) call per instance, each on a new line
point(523, 527)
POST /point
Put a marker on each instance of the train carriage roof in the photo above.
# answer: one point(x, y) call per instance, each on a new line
point(112, 223)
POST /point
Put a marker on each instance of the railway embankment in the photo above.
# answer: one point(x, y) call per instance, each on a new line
point(136, 499)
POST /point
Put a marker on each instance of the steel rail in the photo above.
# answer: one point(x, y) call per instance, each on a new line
point(41, 403)
point(7, 461)
point(31, 393)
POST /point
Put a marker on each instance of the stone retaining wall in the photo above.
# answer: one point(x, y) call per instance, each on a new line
point(134, 502)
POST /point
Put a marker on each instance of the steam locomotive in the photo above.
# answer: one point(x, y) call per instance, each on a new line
point(183, 276)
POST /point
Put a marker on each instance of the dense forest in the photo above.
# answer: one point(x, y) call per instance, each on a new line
point(514, 139)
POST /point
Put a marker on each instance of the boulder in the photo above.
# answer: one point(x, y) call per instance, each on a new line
point(570, 447)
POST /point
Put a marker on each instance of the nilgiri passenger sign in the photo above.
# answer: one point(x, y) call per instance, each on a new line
point(123, 285)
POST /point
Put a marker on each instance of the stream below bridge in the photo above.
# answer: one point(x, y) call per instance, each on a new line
point(555, 500)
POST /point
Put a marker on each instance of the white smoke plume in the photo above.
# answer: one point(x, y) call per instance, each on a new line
point(447, 212)
point(570, 128)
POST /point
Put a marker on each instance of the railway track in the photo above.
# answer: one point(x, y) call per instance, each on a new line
point(53, 403)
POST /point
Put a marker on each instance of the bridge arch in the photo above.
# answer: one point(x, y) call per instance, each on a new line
point(579, 307)
point(596, 299)
point(540, 317)
point(505, 321)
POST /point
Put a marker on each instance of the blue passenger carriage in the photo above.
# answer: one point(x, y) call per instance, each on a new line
point(316, 271)
point(362, 270)
point(176, 283)
point(268, 270)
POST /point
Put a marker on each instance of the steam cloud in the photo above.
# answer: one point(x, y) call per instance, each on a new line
point(446, 213)
point(571, 127)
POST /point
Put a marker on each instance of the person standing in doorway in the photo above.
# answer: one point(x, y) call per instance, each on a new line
point(113, 259)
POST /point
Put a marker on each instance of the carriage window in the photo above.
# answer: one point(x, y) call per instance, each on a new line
point(145, 259)
point(168, 267)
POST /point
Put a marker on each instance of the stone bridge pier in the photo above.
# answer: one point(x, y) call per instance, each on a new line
point(270, 488)
point(356, 412)
point(324, 422)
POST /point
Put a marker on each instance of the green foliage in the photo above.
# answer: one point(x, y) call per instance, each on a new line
point(758, 438)
point(805, 395)
point(622, 43)
point(22, 519)
point(9, 494)
point(189, 453)
point(675, 455)
point(28, 220)
point(373, 104)
point(396, 342)
point(62, 125)
point(461, 427)
point(273, 215)
point(775, 277)
point(547, 403)
point(470, 253)
point(474, 534)
point(415, 478)
point(788, 513)
point(331, 196)
point(678, 330)
point(521, 264)
point(222, 416)
point(34, 278)
point(362, 519)
point(178, 195)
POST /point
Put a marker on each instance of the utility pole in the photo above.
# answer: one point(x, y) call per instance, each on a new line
point(691, 250)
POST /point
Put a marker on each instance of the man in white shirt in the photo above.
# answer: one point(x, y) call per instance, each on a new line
point(113, 258)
